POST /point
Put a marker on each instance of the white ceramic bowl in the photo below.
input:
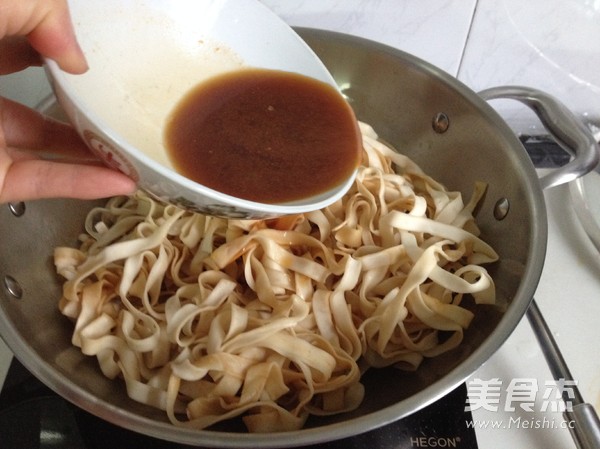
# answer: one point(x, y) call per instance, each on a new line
point(144, 55)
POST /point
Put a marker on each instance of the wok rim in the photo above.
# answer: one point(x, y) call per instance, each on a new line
point(348, 428)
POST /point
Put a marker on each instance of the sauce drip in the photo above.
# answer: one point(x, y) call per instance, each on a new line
point(264, 135)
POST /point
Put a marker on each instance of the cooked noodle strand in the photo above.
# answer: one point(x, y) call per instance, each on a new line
point(274, 320)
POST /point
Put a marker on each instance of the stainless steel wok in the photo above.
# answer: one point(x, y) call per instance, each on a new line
point(445, 127)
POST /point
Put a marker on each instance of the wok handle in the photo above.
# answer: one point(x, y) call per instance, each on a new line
point(568, 131)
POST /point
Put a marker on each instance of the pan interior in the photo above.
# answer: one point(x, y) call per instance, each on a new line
point(399, 96)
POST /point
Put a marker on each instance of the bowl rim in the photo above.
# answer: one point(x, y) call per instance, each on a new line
point(59, 82)
point(178, 184)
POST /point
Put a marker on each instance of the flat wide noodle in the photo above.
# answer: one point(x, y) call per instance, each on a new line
point(210, 319)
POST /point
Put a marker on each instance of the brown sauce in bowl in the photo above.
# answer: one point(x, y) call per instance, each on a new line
point(264, 135)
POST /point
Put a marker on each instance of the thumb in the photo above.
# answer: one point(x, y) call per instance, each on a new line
point(53, 36)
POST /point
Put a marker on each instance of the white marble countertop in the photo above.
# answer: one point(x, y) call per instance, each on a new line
point(486, 43)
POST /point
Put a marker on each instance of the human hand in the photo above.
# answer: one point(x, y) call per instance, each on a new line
point(41, 157)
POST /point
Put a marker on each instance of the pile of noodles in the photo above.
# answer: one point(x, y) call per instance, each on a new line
point(273, 320)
